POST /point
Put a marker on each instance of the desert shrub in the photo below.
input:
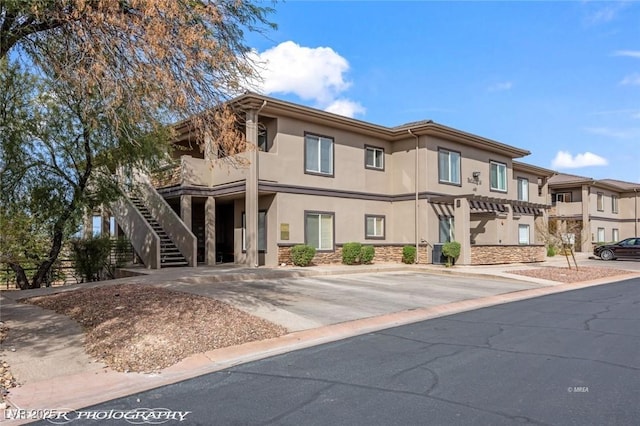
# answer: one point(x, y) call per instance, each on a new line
point(90, 257)
point(351, 253)
point(367, 253)
point(302, 254)
point(121, 250)
point(551, 250)
point(452, 251)
point(408, 254)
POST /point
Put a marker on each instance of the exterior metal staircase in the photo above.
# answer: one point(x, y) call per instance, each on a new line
point(169, 253)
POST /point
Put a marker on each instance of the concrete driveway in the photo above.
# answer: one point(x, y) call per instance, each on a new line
point(310, 302)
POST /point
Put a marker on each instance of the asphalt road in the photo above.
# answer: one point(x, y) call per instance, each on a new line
point(564, 359)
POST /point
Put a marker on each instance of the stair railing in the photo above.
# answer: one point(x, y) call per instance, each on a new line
point(175, 228)
point(144, 239)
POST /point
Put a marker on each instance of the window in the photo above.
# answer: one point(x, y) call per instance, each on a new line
point(262, 231)
point(614, 205)
point(373, 158)
point(448, 166)
point(523, 234)
point(262, 138)
point(562, 197)
point(615, 235)
point(498, 176)
point(446, 229)
point(318, 155)
point(601, 237)
point(523, 189)
point(600, 200)
point(319, 230)
point(374, 227)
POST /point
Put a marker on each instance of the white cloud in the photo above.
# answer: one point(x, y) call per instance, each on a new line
point(315, 74)
point(564, 160)
point(631, 80)
point(605, 14)
point(345, 107)
point(629, 53)
point(499, 87)
point(628, 133)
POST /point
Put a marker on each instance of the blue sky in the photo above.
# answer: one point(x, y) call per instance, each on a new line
point(561, 79)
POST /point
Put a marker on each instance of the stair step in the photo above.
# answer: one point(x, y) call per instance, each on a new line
point(174, 264)
point(170, 255)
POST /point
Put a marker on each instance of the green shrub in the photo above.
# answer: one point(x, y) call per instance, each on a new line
point(551, 251)
point(91, 257)
point(408, 254)
point(302, 254)
point(452, 251)
point(367, 253)
point(122, 251)
point(351, 253)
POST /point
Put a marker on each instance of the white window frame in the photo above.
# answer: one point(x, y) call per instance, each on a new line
point(566, 197)
point(614, 204)
point(601, 236)
point(262, 231)
point(615, 235)
point(378, 227)
point(600, 201)
point(524, 234)
point(523, 189)
point(317, 168)
point(501, 178)
point(377, 156)
point(452, 157)
point(331, 244)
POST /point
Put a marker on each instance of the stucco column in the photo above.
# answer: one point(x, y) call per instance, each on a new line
point(210, 149)
point(462, 229)
point(210, 231)
point(87, 232)
point(509, 235)
point(185, 210)
point(585, 238)
point(106, 221)
point(251, 191)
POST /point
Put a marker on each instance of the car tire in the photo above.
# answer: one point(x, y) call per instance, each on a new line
point(607, 255)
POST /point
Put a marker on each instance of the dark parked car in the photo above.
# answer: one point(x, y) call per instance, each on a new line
point(629, 248)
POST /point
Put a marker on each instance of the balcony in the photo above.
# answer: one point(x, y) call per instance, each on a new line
point(566, 209)
point(190, 171)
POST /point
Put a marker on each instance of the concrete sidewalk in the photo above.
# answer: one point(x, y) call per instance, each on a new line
point(49, 347)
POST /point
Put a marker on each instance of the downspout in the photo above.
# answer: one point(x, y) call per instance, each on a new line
point(415, 184)
point(257, 224)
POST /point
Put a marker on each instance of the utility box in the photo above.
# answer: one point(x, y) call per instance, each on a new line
point(437, 258)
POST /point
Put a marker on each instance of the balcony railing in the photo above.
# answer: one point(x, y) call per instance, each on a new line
point(168, 175)
point(566, 209)
point(200, 172)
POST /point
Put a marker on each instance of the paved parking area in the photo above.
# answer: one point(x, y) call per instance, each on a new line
point(626, 264)
point(310, 302)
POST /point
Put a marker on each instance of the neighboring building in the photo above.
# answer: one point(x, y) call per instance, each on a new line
point(596, 211)
point(325, 180)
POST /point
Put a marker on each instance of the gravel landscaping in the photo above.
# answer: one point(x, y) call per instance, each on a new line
point(133, 327)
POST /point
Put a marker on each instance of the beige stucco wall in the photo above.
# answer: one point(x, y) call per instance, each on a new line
point(349, 217)
point(284, 163)
point(472, 160)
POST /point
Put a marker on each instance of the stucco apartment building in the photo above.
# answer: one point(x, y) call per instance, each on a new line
point(596, 211)
point(322, 179)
